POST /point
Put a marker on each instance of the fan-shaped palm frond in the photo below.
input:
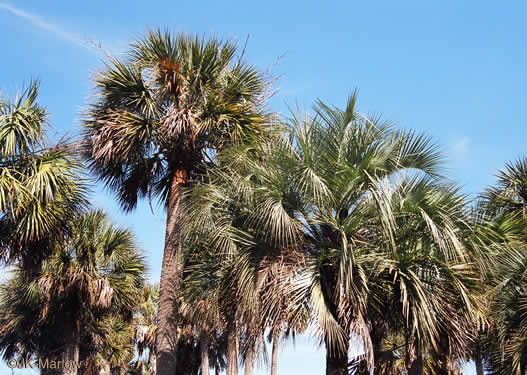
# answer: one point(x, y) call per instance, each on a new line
point(41, 185)
point(82, 301)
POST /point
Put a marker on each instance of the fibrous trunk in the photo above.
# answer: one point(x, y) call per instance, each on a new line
point(171, 273)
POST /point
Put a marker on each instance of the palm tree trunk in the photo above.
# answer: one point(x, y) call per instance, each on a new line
point(417, 365)
point(274, 358)
point(232, 350)
point(204, 347)
point(478, 362)
point(171, 273)
point(336, 361)
point(377, 335)
point(71, 350)
point(479, 367)
point(249, 362)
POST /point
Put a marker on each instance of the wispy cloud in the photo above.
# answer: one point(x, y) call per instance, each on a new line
point(37, 21)
point(460, 147)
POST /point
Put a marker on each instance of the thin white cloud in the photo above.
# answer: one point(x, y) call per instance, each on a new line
point(460, 147)
point(37, 21)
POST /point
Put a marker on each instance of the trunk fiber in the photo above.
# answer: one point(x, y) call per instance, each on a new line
point(171, 273)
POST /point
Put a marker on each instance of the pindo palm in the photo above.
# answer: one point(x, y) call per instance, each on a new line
point(157, 115)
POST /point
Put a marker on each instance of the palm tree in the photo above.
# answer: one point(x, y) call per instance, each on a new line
point(200, 302)
point(146, 327)
point(157, 116)
point(41, 185)
point(212, 304)
point(423, 287)
point(506, 342)
point(279, 313)
point(509, 197)
point(79, 307)
point(502, 220)
point(317, 189)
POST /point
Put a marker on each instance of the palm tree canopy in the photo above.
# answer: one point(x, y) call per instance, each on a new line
point(167, 107)
point(502, 220)
point(360, 200)
point(92, 279)
point(41, 185)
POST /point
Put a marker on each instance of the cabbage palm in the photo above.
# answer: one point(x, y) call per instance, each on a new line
point(212, 303)
point(423, 287)
point(40, 182)
point(317, 189)
point(503, 217)
point(509, 196)
point(79, 307)
point(157, 116)
point(506, 342)
point(146, 327)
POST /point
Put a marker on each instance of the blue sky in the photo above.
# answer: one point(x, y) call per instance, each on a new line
point(453, 69)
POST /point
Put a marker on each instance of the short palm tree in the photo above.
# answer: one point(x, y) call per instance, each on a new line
point(40, 183)
point(423, 286)
point(79, 307)
point(157, 116)
point(146, 327)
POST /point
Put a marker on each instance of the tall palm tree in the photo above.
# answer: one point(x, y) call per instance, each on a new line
point(157, 116)
point(40, 182)
point(79, 307)
point(317, 189)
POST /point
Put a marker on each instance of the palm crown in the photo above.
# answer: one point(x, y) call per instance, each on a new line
point(40, 184)
point(167, 108)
